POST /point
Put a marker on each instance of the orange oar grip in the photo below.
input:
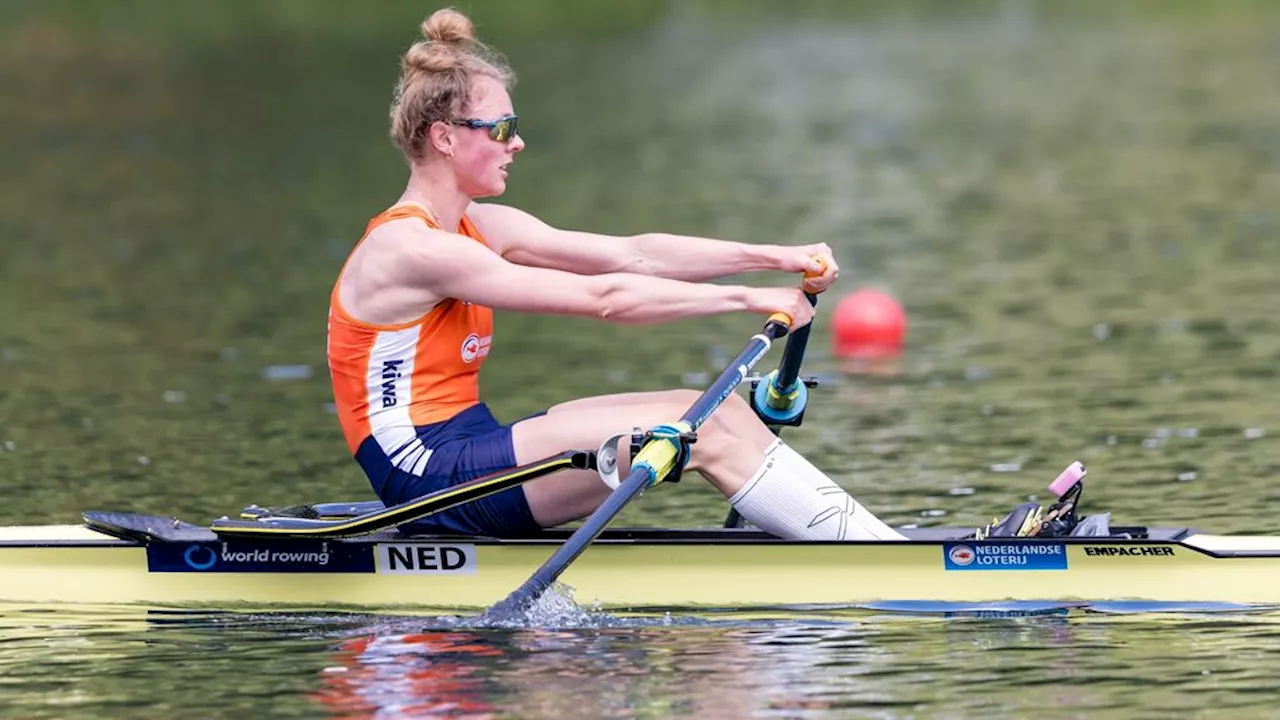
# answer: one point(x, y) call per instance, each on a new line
point(810, 274)
point(781, 318)
point(822, 267)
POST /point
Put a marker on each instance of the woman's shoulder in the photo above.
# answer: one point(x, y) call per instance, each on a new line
point(498, 214)
point(501, 225)
point(489, 220)
point(394, 238)
point(491, 215)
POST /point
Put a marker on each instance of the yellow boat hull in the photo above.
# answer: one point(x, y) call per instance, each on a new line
point(636, 569)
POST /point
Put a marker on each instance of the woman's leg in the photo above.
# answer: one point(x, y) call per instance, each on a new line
point(733, 452)
point(730, 446)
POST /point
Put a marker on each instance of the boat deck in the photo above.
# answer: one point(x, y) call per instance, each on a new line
point(106, 529)
point(110, 528)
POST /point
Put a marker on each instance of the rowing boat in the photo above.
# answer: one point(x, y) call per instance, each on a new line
point(131, 558)
point(364, 554)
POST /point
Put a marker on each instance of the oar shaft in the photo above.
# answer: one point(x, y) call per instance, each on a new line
point(550, 571)
point(733, 375)
point(643, 473)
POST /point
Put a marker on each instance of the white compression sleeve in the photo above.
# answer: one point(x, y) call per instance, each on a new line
point(779, 501)
point(807, 471)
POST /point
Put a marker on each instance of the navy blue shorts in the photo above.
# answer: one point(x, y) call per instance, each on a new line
point(468, 445)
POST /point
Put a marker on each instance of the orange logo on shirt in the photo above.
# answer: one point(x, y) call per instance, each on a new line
point(475, 346)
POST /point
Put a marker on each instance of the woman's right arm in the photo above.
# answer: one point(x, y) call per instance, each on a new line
point(449, 265)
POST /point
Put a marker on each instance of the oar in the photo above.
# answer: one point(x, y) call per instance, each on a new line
point(652, 464)
point(785, 387)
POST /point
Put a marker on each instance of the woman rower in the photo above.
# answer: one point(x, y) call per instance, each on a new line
point(410, 323)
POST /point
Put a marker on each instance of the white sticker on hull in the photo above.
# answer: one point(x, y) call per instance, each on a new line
point(424, 559)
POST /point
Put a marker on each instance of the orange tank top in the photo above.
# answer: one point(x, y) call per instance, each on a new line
point(388, 379)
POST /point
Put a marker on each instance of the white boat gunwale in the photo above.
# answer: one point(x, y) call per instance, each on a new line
point(140, 530)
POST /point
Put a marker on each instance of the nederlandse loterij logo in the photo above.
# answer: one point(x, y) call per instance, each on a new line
point(961, 554)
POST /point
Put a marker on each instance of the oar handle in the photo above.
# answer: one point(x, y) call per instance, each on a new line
point(777, 325)
point(793, 353)
point(780, 389)
point(782, 319)
point(811, 274)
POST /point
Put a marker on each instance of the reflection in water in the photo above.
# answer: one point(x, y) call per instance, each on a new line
point(426, 674)
point(76, 662)
point(727, 668)
point(616, 672)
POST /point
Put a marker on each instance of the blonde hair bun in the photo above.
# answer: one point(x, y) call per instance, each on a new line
point(449, 27)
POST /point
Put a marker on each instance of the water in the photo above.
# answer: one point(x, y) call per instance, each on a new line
point(1076, 203)
point(140, 663)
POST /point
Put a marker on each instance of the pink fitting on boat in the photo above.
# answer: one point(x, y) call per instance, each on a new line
point(1074, 473)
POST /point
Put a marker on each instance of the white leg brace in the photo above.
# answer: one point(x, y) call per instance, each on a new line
point(792, 499)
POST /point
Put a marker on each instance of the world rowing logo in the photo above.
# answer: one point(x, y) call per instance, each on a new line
point(199, 557)
point(961, 555)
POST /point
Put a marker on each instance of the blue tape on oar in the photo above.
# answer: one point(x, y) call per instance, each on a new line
point(777, 405)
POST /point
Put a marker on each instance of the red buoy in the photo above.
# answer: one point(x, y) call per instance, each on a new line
point(868, 324)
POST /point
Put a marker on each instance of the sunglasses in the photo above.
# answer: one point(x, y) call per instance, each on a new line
point(502, 129)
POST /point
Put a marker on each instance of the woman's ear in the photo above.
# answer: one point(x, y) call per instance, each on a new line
point(440, 135)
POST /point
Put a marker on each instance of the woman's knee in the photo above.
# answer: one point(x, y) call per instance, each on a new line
point(736, 413)
point(733, 410)
point(738, 405)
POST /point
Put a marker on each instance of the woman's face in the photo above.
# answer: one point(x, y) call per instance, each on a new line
point(480, 162)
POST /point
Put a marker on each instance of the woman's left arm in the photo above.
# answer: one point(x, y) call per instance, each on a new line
point(524, 239)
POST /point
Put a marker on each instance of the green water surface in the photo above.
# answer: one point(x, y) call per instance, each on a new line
point(1077, 204)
